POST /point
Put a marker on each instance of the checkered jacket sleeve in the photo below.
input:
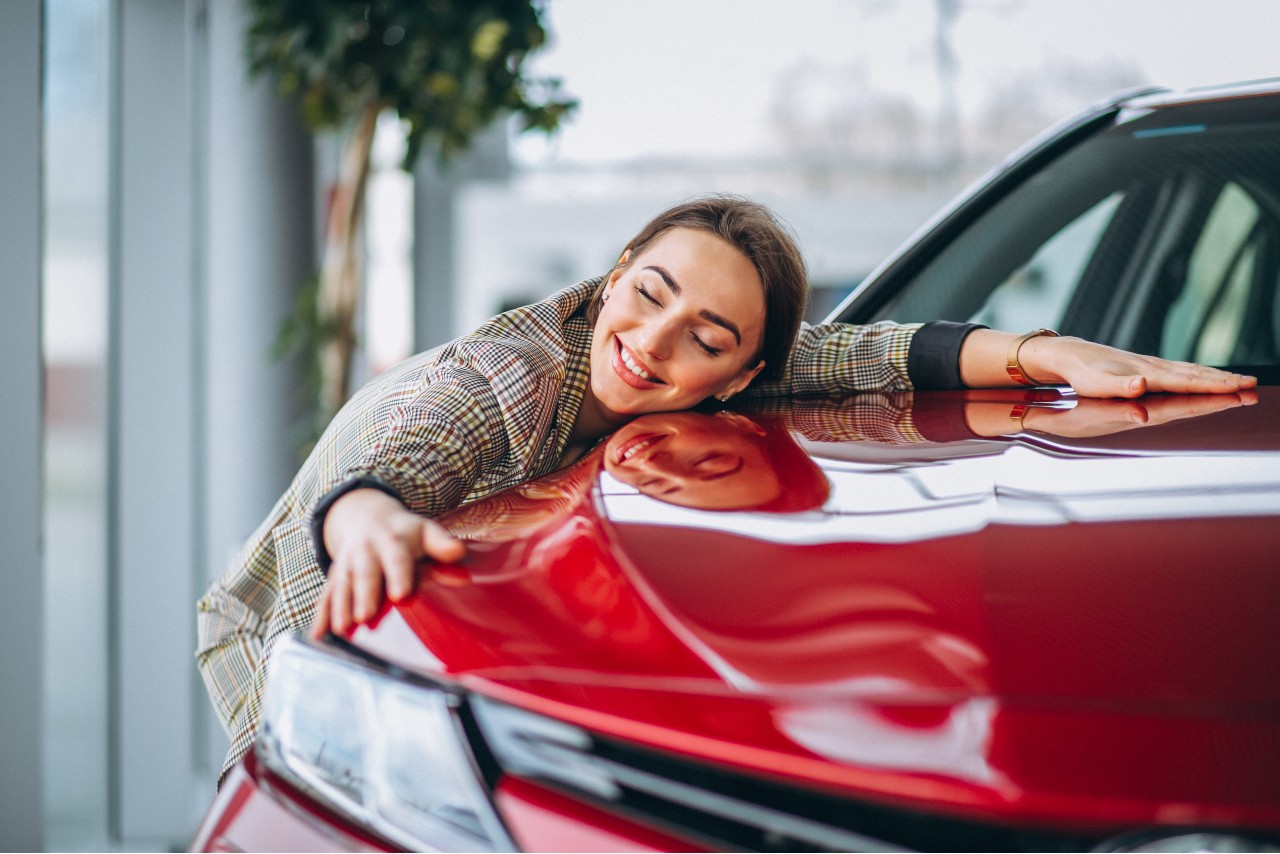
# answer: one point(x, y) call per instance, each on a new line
point(840, 358)
point(884, 417)
point(832, 359)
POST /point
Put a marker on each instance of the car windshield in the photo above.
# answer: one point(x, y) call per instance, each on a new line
point(1160, 234)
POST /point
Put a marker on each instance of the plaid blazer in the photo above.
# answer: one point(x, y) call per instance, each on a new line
point(490, 410)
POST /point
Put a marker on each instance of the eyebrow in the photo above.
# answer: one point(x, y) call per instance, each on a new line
point(705, 314)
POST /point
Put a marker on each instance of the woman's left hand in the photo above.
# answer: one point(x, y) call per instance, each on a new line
point(1092, 370)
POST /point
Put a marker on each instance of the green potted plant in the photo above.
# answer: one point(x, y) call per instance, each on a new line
point(448, 68)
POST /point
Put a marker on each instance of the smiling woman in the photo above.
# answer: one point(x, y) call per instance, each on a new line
point(704, 298)
point(704, 303)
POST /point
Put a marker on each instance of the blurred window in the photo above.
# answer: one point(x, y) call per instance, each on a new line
point(1036, 293)
point(1160, 235)
point(1205, 321)
point(75, 311)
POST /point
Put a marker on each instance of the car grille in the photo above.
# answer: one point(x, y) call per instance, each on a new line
point(722, 807)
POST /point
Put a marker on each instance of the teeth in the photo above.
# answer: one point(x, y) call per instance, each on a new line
point(633, 367)
point(642, 446)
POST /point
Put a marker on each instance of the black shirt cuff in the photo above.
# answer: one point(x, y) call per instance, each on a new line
point(364, 481)
point(933, 361)
point(941, 418)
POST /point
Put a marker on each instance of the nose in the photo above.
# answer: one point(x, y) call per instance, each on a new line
point(662, 473)
point(656, 339)
point(660, 485)
point(651, 467)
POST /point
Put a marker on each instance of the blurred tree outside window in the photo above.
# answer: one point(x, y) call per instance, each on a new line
point(447, 68)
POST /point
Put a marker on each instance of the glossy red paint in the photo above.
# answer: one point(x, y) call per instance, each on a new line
point(255, 811)
point(1085, 673)
point(546, 821)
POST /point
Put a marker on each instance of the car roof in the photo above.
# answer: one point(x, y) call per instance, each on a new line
point(1165, 97)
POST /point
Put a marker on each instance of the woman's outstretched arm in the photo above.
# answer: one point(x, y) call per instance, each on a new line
point(1092, 370)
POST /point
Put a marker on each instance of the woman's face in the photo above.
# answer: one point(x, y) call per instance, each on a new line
point(681, 323)
point(711, 462)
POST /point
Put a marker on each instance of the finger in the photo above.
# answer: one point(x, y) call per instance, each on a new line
point(1134, 387)
point(339, 599)
point(366, 587)
point(1106, 385)
point(1192, 378)
point(1118, 412)
point(320, 624)
point(1191, 405)
point(399, 567)
point(1096, 418)
point(440, 545)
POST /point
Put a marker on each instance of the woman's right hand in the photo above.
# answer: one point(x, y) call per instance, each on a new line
point(375, 543)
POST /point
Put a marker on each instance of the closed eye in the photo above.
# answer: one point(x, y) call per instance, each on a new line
point(710, 351)
point(646, 295)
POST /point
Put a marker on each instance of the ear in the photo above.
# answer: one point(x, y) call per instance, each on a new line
point(744, 378)
point(618, 269)
point(620, 266)
point(741, 422)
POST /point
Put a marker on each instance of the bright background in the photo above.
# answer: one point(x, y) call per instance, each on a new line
point(179, 203)
point(698, 78)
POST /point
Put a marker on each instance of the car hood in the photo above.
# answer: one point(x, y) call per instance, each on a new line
point(1050, 625)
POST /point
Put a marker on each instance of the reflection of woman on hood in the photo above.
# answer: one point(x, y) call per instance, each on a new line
point(724, 461)
point(721, 461)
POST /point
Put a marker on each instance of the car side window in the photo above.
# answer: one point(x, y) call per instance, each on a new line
point(1159, 235)
point(1037, 293)
point(1205, 322)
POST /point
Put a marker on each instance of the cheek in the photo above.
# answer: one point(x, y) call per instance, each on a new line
point(626, 477)
point(707, 374)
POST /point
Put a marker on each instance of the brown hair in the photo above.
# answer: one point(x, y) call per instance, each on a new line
point(769, 245)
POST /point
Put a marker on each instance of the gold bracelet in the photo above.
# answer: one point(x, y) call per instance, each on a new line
point(1013, 366)
point(1019, 412)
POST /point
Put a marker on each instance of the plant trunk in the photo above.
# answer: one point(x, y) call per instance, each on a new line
point(342, 269)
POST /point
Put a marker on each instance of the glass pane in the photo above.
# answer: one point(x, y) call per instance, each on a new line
point(1037, 293)
point(1204, 322)
point(75, 355)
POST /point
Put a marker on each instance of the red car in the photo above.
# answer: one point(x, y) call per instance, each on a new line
point(869, 623)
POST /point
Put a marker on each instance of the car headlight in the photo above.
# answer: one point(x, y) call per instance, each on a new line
point(387, 751)
point(1201, 840)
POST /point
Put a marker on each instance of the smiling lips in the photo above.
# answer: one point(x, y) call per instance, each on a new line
point(632, 370)
point(636, 446)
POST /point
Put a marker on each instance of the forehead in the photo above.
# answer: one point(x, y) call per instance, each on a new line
point(711, 274)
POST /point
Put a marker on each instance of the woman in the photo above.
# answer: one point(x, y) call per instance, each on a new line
point(705, 302)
